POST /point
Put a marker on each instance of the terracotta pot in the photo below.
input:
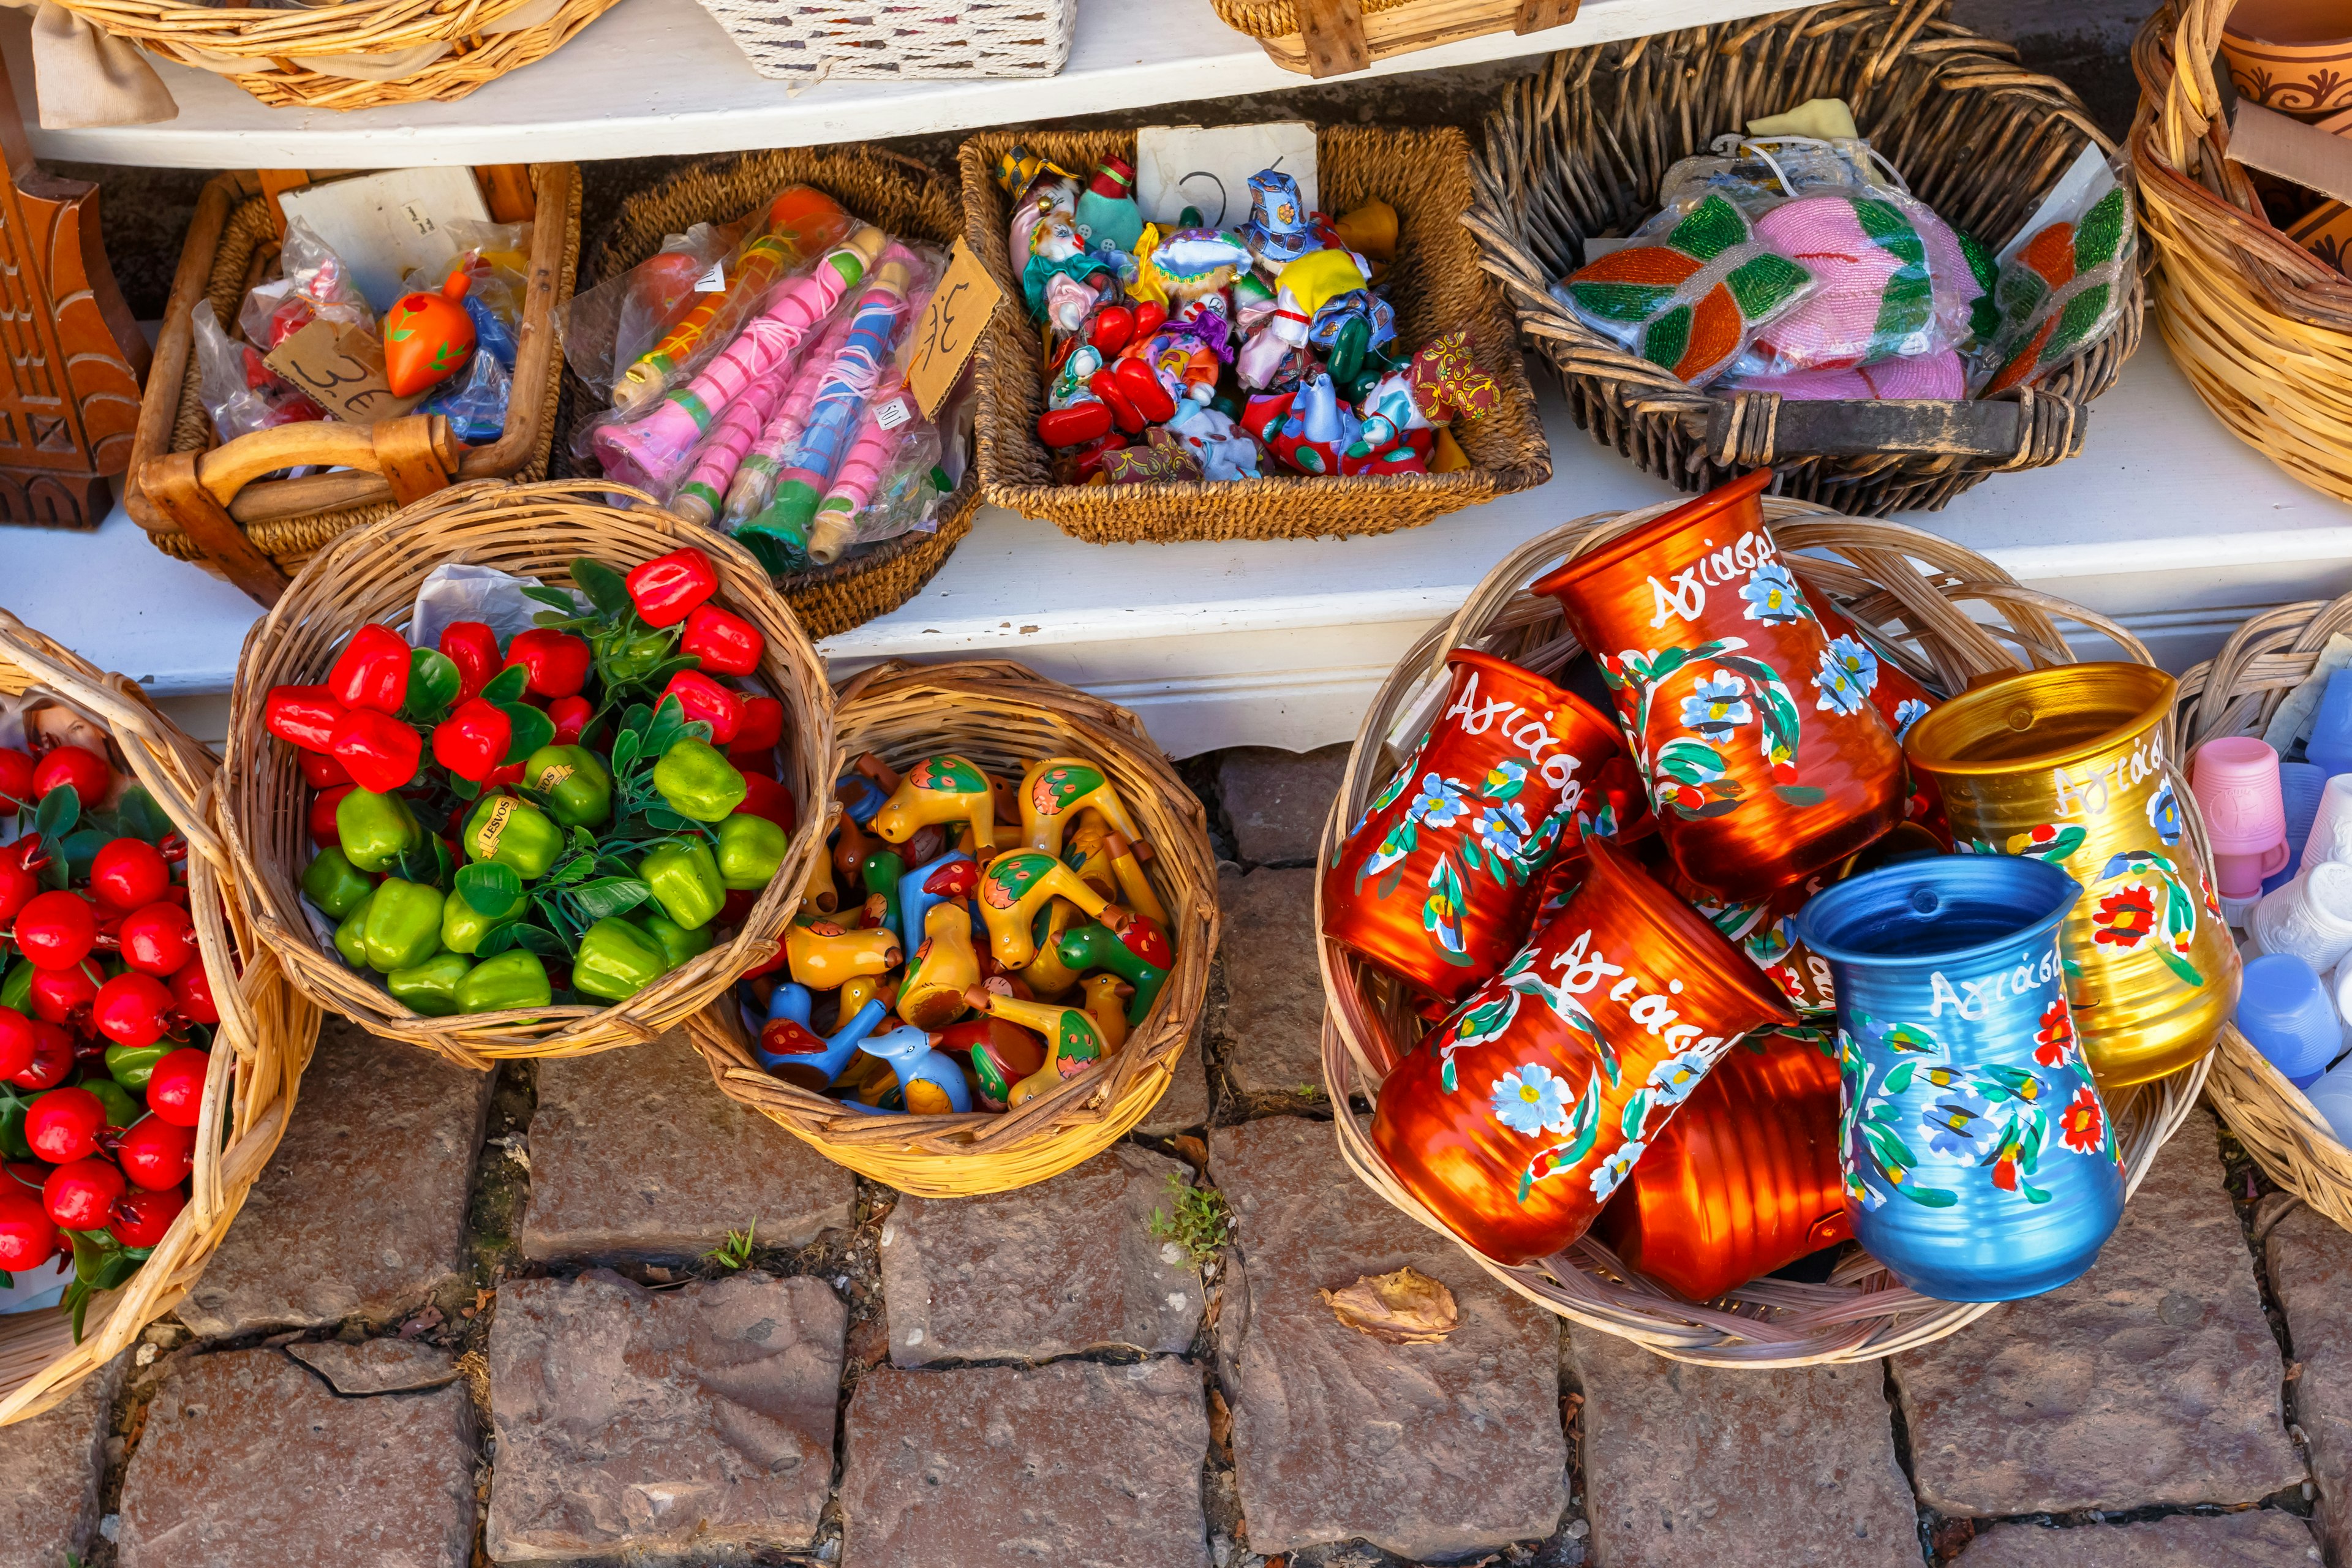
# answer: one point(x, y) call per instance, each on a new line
point(1755, 734)
point(1745, 1179)
point(2068, 765)
point(2293, 55)
point(1516, 1119)
point(1440, 880)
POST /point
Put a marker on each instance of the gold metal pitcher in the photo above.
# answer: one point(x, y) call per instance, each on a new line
point(2069, 766)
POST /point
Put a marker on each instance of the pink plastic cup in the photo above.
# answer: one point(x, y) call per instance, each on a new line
point(2237, 783)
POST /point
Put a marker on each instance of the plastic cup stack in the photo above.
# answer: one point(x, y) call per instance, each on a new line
point(2301, 785)
point(2236, 779)
point(2287, 1014)
point(2330, 837)
point(2330, 745)
point(2310, 917)
point(2332, 1098)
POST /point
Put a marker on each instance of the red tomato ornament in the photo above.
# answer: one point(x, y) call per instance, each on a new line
point(372, 670)
point(426, 337)
point(321, 771)
point(62, 995)
point(18, 888)
point(56, 929)
point(175, 1090)
point(191, 994)
point(63, 1125)
point(570, 715)
point(156, 1153)
point(28, 1238)
point(323, 832)
point(53, 1057)
point(141, 1218)
point(16, 780)
point(667, 589)
point(303, 716)
point(158, 939)
point(473, 647)
point(126, 873)
point(720, 707)
point(381, 751)
point(554, 664)
point(726, 643)
point(76, 766)
point(78, 1195)
point(764, 796)
point(16, 1042)
point(132, 1009)
point(762, 725)
point(472, 741)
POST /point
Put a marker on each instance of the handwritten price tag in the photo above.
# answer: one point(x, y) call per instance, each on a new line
point(952, 322)
point(342, 368)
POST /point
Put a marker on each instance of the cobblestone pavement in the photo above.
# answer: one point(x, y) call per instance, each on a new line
point(469, 1320)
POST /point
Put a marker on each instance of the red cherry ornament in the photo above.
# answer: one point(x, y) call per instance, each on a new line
point(175, 1091)
point(78, 1195)
point(141, 1218)
point(16, 1042)
point(192, 993)
point(53, 1057)
point(128, 872)
point(132, 1009)
point(28, 1237)
point(157, 1153)
point(16, 780)
point(76, 766)
point(62, 1126)
point(56, 929)
point(426, 337)
point(18, 888)
point(158, 939)
point(61, 995)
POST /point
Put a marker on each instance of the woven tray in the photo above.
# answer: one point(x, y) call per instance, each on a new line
point(258, 532)
point(372, 575)
point(1434, 283)
point(809, 40)
point(896, 194)
point(2235, 693)
point(262, 1042)
point(1909, 584)
point(1580, 149)
point(1003, 716)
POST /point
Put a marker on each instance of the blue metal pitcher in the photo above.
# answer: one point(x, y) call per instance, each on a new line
point(1979, 1160)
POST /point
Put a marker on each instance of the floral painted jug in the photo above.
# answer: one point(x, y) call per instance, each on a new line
point(1979, 1161)
point(1517, 1118)
point(1755, 731)
point(1440, 879)
point(2068, 765)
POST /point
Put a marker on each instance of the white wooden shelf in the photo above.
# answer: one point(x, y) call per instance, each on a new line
point(662, 77)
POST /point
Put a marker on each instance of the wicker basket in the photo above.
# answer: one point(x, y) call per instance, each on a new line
point(2235, 693)
point(895, 193)
point(198, 500)
point(1361, 31)
point(302, 59)
point(2261, 327)
point(372, 575)
point(1580, 149)
point(1434, 283)
point(809, 40)
point(263, 1043)
point(1911, 585)
point(1005, 716)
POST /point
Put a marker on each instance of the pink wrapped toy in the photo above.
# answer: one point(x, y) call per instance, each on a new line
point(1891, 283)
point(755, 476)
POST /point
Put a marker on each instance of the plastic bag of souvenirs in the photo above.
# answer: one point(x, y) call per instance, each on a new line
point(312, 285)
point(241, 392)
point(621, 318)
point(2063, 280)
point(475, 399)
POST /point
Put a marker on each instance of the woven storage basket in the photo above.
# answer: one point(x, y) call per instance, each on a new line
point(262, 1042)
point(300, 59)
point(258, 533)
point(2261, 327)
point(1910, 585)
point(372, 575)
point(898, 194)
point(1354, 33)
point(1005, 716)
point(1579, 150)
point(2235, 693)
point(808, 40)
point(1434, 283)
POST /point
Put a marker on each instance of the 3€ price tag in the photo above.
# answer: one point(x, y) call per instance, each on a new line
point(341, 369)
point(959, 312)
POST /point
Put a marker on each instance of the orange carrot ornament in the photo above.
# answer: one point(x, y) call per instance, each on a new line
point(426, 337)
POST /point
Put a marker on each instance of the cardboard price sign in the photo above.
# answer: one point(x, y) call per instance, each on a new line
point(959, 312)
point(341, 369)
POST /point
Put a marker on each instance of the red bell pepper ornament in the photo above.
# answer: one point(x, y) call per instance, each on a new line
point(720, 707)
point(473, 647)
point(763, 726)
point(373, 672)
point(570, 715)
point(323, 832)
point(303, 716)
point(381, 751)
point(554, 664)
point(667, 589)
point(321, 771)
point(727, 644)
point(89, 773)
point(472, 741)
point(764, 796)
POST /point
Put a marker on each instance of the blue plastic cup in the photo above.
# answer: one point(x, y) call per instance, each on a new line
point(2331, 1096)
point(2301, 785)
point(2288, 1015)
point(2330, 746)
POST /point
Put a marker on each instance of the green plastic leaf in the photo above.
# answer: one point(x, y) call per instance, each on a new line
point(624, 752)
point(433, 686)
point(668, 724)
point(141, 818)
point(607, 589)
point(82, 847)
point(544, 942)
point(490, 887)
point(555, 599)
point(531, 729)
point(507, 686)
point(58, 811)
point(637, 719)
point(465, 789)
point(609, 896)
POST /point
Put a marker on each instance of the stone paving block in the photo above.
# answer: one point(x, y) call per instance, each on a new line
point(377, 1366)
point(1689, 1467)
point(51, 1468)
point(2309, 1259)
point(1186, 1103)
point(250, 1459)
point(1428, 1451)
point(1072, 1464)
point(2259, 1538)
point(636, 1423)
point(2152, 1378)
point(1065, 1266)
point(1274, 1006)
point(635, 1153)
point(361, 1211)
point(1276, 800)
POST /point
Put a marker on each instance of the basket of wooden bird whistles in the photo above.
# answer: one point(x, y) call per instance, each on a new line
point(517, 772)
point(1771, 1006)
point(999, 963)
point(1148, 377)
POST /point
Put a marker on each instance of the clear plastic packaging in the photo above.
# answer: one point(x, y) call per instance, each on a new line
point(240, 393)
point(1892, 282)
point(312, 285)
point(606, 328)
point(473, 400)
point(2062, 289)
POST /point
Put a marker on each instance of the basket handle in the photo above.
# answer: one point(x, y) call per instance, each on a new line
point(416, 455)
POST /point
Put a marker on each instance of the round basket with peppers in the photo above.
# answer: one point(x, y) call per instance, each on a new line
point(147, 1044)
point(555, 834)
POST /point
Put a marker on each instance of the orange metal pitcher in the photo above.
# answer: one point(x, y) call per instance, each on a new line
point(1754, 730)
point(1518, 1117)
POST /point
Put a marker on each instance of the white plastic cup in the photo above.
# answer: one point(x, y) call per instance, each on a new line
point(2311, 917)
point(2331, 829)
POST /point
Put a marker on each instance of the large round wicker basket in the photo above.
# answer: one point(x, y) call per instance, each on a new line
point(2235, 693)
point(2261, 327)
point(1910, 587)
point(1578, 151)
point(263, 1043)
point(1005, 716)
point(371, 575)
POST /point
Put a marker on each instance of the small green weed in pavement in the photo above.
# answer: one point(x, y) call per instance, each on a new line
point(1201, 1224)
point(735, 1252)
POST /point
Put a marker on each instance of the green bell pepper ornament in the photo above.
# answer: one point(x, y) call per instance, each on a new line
point(577, 786)
point(616, 961)
point(694, 780)
point(516, 979)
point(350, 936)
point(676, 943)
point(513, 832)
point(121, 1109)
point(430, 987)
point(404, 925)
point(334, 884)
point(684, 876)
point(463, 926)
point(375, 829)
point(749, 850)
point(133, 1066)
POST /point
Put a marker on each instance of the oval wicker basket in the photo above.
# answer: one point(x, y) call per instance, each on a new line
point(894, 192)
point(1862, 1312)
point(1003, 716)
point(2261, 327)
point(371, 575)
point(1579, 150)
point(2235, 693)
point(264, 1040)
